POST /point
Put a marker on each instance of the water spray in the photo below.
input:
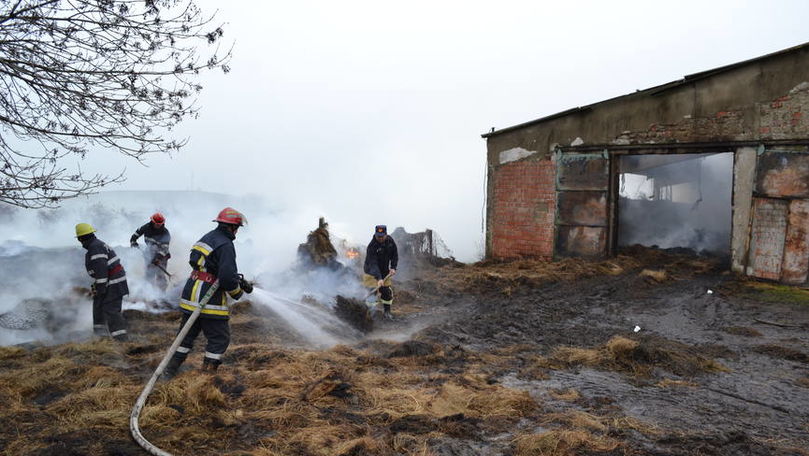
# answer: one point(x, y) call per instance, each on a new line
point(308, 320)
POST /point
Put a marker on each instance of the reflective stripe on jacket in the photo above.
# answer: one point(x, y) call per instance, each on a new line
point(157, 240)
point(104, 266)
point(214, 254)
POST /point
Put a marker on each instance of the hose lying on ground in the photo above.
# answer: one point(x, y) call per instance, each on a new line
point(133, 417)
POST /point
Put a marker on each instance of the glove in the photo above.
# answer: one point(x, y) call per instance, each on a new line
point(133, 241)
point(156, 260)
point(246, 286)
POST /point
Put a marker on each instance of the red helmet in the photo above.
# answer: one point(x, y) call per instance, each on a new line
point(158, 218)
point(231, 216)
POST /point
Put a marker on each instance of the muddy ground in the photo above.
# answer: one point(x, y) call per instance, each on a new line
point(514, 358)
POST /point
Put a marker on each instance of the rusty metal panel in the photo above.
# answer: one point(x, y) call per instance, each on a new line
point(767, 238)
point(582, 172)
point(582, 208)
point(581, 241)
point(783, 175)
point(795, 269)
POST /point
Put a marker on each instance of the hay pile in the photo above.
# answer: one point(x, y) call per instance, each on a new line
point(318, 250)
point(636, 357)
point(504, 276)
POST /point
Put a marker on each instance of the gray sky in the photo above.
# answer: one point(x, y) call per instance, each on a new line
point(371, 112)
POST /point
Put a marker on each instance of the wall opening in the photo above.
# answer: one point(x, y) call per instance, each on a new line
point(676, 201)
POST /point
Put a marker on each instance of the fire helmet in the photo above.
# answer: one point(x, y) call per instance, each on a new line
point(83, 229)
point(231, 216)
point(158, 218)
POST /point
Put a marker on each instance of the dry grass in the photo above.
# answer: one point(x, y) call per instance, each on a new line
point(268, 401)
point(636, 357)
point(670, 383)
point(654, 275)
point(506, 276)
point(563, 443)
point(568, 394)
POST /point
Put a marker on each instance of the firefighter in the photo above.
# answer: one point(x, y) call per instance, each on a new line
point(381, 260)
point(109, 284)
point(213, 259)
point(157, 239)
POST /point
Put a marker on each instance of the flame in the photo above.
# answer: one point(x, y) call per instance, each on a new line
point(352, 253)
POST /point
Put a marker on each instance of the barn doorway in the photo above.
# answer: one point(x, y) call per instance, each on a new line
point(676, 201)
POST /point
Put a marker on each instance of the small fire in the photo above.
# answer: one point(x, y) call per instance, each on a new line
point(352, 253)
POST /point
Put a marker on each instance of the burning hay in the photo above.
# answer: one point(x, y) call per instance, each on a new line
point(318, 250)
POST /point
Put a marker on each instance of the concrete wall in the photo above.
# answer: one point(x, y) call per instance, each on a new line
point(761, 101)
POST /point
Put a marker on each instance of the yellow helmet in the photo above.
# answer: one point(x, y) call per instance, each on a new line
point(83, 229)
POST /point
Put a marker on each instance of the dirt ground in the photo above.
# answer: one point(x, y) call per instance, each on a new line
point(649, 353)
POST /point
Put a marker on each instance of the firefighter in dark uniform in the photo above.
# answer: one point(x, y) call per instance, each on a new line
point(381, 260)
point(109, 284)
point(213, 258)
point(156, 254)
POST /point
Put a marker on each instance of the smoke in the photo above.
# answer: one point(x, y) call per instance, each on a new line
point(676, 201)
point(42, 260)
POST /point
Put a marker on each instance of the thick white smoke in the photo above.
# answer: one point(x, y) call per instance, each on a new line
point(677, 201)
point(41, 259)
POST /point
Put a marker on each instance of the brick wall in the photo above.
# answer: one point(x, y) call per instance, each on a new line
point(523, 209)
point(785, 117)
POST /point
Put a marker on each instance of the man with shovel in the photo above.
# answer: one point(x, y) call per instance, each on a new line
point(381, 260)
point(157, 238)
point(213, 260)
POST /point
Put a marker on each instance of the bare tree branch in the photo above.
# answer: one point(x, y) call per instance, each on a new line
point(81, 75)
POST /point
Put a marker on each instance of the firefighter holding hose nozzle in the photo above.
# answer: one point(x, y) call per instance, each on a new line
point(381, 260)
point(213, 258)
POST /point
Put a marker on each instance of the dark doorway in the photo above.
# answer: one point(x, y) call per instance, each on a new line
point(676, 200)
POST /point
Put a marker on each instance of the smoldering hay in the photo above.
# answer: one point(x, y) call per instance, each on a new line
point(43, 288)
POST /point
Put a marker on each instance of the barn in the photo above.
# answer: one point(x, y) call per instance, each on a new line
point(717, 162)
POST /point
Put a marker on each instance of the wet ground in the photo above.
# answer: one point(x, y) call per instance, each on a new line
point(653, 355)
point(758, 404)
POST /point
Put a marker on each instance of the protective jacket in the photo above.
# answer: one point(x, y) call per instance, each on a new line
point(105, 268)
point(157, 241)
point(212, 257)
point(380, 258)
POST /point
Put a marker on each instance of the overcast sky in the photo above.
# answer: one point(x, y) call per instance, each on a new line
point(371, 112)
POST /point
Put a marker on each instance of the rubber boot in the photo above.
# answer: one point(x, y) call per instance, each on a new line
point(100, 331)
point(387, 314)
point(210, 365)
point(172, 367)
point(121, 337)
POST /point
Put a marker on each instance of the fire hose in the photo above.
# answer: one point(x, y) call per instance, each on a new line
point(144, 395)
